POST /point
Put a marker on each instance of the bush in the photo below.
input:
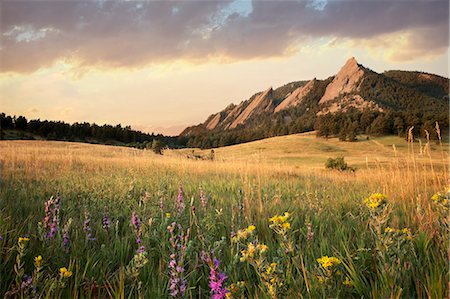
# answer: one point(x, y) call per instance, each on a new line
point(157, 146)
point(338, 164)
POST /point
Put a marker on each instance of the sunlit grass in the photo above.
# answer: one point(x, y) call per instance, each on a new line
point(245, 185)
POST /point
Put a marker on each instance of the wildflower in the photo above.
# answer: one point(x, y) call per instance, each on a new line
point(137, 229)
point(38, 261)
point(375, 201)
point(280, 224)
point(135, 221)
point(106, 222)
point(271, 268)
point(310, 233)
point(51, 219)
point(23, 240)
point(180, 205)
point(280, 219)
point(161, 204)
point(253, 252)
point(167, 215)
point(203, 199)
point(27, 280)
point(327, 262)
point(441, 200)
point(262, 247)
point(178, 241)
point(66, 236)
point(348, 282)
point(244, 234)
point(216, 280)
point(322, 279)
point(64, 273)
point(235, 289)
point(87, 226)
point(406, 232)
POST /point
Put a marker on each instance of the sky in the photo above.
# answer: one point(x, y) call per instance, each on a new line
point(161, 66)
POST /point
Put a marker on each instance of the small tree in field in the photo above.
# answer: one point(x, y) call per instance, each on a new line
point(338, 164)
point(157, 146)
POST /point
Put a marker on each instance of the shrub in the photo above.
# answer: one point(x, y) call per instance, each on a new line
point(338, 163)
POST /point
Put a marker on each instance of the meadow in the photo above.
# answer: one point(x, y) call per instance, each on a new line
point(261, 220)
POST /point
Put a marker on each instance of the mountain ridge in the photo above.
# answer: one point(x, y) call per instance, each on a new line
point(353, 87)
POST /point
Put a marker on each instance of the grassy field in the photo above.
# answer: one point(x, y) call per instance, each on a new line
point(129, 223)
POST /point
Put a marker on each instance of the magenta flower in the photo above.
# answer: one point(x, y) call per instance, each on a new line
point(216, 279)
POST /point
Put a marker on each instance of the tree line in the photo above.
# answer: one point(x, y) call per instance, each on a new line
point(83, 132)
point(347, 125)
point(344, 125)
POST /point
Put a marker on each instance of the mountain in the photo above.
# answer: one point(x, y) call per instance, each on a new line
point(297, 106)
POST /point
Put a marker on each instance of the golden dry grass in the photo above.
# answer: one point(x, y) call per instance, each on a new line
point(388, 164)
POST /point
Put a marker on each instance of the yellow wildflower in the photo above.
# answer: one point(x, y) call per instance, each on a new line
point(64, 273)
point(279, 219)
point(441, 199)
point(262, 247)
point(251, 249)
point(375, 200)
point(436, 197)
point(328, 262)
point(274, 219)
point(322, 279)
point(272, 268)
point(244, 234)
point(23, 239)
point(348, 282)
point(167, 215)
point(38, 261)
point(286, 225)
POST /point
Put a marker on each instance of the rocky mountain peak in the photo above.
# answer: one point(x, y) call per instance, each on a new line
point(345, 81)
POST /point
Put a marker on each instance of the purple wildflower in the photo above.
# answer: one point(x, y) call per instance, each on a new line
point(216, 278)
point(53, 229)
point(66, 236)
point(180, 199)
point(161, 204)
point(51, 218)
point(27, 280)
point(203, 199)
point(178, 240)
point(66, 240)
point(310, 234)
point(1, 238)
point(136, 223)
point(106, 222)
point(87, 226)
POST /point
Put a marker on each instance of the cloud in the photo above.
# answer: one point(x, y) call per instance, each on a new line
point(401, 46)
point(132, 34)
